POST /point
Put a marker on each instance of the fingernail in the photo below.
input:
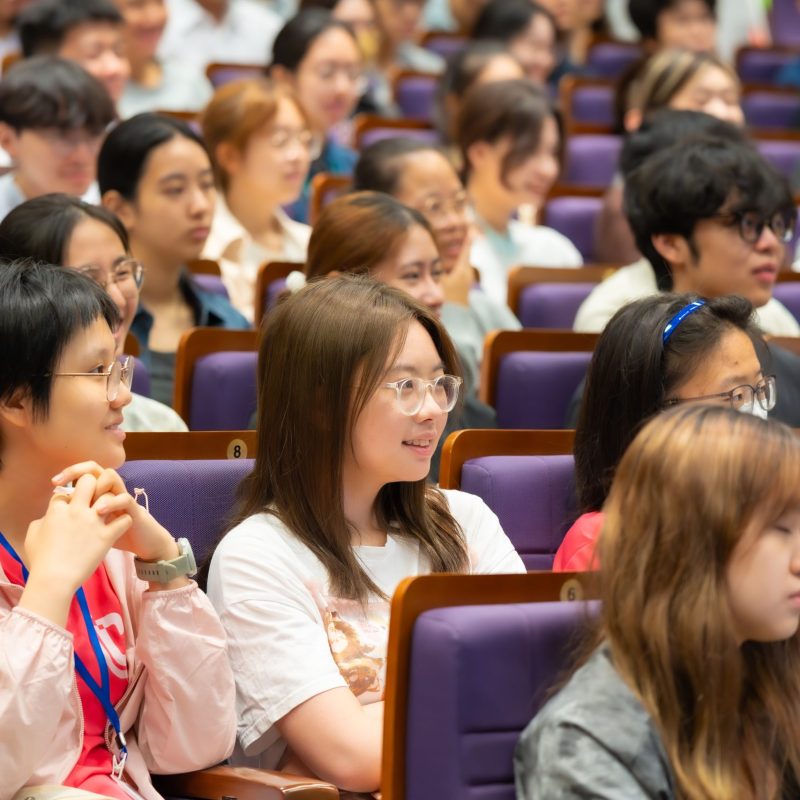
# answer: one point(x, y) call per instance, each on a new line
point(57, 478)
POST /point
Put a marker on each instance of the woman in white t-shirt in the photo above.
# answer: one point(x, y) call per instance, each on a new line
point(355, 382)
point(509, 141)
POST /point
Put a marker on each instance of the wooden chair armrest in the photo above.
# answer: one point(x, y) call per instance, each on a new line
point(244, 783)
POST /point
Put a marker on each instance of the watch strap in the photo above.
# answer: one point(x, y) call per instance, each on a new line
point(165, 571)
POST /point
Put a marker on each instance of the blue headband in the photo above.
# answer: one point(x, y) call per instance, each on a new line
point(680, 317)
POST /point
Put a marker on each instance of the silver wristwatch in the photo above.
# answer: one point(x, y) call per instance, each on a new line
point(166, 571)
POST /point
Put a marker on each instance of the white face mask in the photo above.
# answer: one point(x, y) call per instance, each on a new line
point(756, 410)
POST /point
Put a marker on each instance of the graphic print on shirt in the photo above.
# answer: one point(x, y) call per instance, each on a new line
point(115, 657)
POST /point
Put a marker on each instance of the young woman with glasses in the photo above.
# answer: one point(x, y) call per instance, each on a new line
point(656, 353)
point(101, 628)
point(62, 229)
point(336, 512)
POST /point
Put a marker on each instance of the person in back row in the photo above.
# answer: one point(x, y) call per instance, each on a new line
point(53, 116)
point(712, 217)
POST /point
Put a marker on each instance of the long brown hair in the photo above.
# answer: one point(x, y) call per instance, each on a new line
point(694, 481)
point(322, 355)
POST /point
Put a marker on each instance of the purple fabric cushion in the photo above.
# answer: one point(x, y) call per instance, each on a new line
point(534, 388)
point(427, 135)
point(192, 499)
point(783, 154)
point(532, 497)
point(478, 674)
point(141, 378)
point(788, 292)
point(211, 283)
point(610, 59)
point(575, 217)
point(223, 391)
point(593, 105)
point(552, 305)
point(785, 23)
point(415, 96)
point(766, 110)
point(446, 46)
point(591, 159)
point(762, 66)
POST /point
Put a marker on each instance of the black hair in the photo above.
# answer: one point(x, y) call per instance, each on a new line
point(633, 372)
point(41, 308)
point(51, 92)
point(297, 36)
point(504, 20)
point(380, 165)
point(645, 13)
point(692, 180)
point(125, 151)
point(41, 228)
point(44, 24)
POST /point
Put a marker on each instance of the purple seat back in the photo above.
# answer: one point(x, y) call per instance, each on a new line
point(783, 154)
point(769, 110)
point(593, 105)
point(446, 46)
point(761, 66)
point(552, 305)
point(788, 293)
point(192, 499)
point(575, 218)
point(211, 283)
point(477, 675)
point(141, 378)
point(234, 72)
point(273, 292)
point(415, 95)
point(534, 388)
point(223, 391)
point(785, 23)
point(591, 159)
point(611, 59)
point(533, 497)
point(427, 135)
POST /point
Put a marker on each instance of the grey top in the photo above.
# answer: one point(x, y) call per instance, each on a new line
point(594, 739)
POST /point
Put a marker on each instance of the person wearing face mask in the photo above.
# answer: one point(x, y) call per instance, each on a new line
point(63, 230)
point(656, 353)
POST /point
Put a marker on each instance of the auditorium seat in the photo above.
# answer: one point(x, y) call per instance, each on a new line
point(591, 159)
point(415, 93)
point(141, 378)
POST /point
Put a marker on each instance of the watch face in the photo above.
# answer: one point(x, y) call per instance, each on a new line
point(185, 548)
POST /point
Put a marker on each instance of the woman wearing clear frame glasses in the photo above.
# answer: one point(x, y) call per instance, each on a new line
point(62, 229)
point(99, 623)
point(335, 513)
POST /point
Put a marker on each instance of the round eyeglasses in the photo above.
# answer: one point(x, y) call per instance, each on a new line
point(127, 275)
point(751, 224)
point(742, 397)
point(120, 372)
point(411, 393)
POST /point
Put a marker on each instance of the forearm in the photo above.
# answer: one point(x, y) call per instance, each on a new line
point(47, 598)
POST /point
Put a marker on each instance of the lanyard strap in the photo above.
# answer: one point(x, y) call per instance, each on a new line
point(101, 692)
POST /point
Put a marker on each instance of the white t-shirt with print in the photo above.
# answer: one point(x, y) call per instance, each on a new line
point(289, 639)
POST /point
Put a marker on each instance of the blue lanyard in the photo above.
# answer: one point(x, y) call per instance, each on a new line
point(103, 692)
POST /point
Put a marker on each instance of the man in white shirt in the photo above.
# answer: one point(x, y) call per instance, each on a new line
point(711, 217)
point(202, 32)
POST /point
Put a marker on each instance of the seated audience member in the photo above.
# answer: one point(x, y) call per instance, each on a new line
point(655, 353)
point(155, 174)
point(420, 177)
point(63, 230)
point(689, 24)
point(203, 32)
point(478, 63)
point(689, 684)
point(88, 32)
point(712, 217)
point(526, 29)
point(53, 116)
point(509, 141)
point(318, 57)
point(452, 16)
point(336, 512)
point(154, 85)
point(577, 22)
point(261, 144)
point(69, 561)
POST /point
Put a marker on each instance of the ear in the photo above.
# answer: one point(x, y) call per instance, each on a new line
point(673, 248)
point(632, 120)
point(281, 75)
point(228, 157)
point(117, 204)
point(479, 153)
point(16, 412)
point(8, 140)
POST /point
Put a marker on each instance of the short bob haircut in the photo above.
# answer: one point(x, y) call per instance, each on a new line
point(298, 35)
point(41, 228)
point(645, 13)
point(633, 373)
point(382, 224)
point(693, 180)
point(124, 154)
point(504, 20)
point(513, 109)
point(380, 166)
point(42, 308)
point(51, 92)
point(44, 24)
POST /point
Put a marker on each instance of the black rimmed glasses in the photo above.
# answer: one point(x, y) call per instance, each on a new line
point(127, 275)
point(742, 398)
point(120, 372)
point(751, 224)
point(411, 393)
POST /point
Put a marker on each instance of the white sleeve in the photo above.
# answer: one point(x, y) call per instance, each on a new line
point(277, 642)
point(490, 550)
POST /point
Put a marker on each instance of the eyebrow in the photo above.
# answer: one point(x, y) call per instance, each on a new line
point(419, 262)
point(408, 368)
point(741, 380)
point(173, 176)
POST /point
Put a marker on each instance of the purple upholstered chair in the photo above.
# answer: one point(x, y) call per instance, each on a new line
point(533, 497)
point(141, 378)
point(211, 283)
point(426, 135)
point(445, 44)
point(785, 23)
point(220, 74)
point(192, 499)
point(591, 159)
point(223, 391)
point(552, 305)
point(415, 95)
point(610, 59)
point(575, 217)
point(771, 109)
point(783, 154)
point(534, 388)
point(477, 676)
point(788, 293)
point(755, 65)
point(593, 105)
